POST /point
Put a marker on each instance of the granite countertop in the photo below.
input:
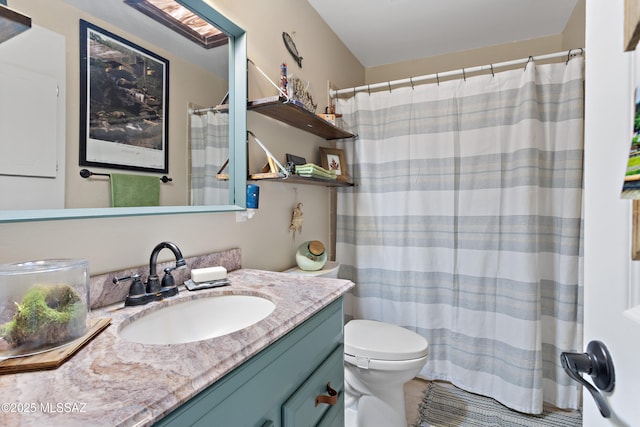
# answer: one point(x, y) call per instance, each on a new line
point(112, 382)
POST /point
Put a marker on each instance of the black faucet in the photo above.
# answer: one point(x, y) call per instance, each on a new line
point(154, 290)
point(153, 283)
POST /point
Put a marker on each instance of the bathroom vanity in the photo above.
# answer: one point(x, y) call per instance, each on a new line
point(268, 374)
point(279, 386)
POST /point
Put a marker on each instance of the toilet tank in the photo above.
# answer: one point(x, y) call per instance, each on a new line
point(330, 270)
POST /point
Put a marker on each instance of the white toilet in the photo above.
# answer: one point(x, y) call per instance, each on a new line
point(379, 358)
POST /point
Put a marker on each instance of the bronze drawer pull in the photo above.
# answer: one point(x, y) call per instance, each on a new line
point(332, 399)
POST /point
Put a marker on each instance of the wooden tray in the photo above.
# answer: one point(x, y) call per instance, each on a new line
point(53, 358)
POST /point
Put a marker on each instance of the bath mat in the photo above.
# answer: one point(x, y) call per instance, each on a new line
point(447, 406)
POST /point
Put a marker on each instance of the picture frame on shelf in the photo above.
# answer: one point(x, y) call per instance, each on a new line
point(333, 159)
point(124, 95)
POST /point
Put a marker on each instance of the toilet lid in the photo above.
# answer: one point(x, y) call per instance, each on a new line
point(383, 341)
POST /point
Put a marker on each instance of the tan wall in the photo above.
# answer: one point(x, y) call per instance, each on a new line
point(115, 243)
point(572, 37)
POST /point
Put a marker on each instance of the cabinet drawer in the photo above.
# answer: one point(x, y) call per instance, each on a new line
point(301, 410)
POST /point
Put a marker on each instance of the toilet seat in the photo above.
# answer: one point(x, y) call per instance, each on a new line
point(370, 339)
point(385, 365)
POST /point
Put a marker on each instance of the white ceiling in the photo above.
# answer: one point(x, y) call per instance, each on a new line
point(382, 32)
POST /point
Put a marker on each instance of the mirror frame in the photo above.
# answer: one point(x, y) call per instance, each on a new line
point(237, 138)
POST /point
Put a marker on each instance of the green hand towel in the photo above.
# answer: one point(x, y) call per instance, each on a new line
point(134, 190)
point(314, 171)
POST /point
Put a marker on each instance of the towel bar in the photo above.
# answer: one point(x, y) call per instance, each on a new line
point(86, 173)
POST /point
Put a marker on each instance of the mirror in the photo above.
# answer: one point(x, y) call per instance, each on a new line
point(128, 24)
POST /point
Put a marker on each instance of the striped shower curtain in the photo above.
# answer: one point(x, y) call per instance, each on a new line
point(466, 226)
point(209, 134)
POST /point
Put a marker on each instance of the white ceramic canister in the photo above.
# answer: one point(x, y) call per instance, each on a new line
point(311, 255)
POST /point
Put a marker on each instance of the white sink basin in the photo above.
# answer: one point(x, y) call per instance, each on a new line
point(198, 319)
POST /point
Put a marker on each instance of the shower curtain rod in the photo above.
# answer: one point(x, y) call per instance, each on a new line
point(216, 109)
point(490, 67)
point(222, 106)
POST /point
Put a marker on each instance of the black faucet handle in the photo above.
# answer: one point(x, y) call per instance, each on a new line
point(136, 288)
point(117, 280)
point(168, 281)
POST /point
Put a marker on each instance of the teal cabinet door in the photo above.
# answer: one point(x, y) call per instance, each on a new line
point(303, 409)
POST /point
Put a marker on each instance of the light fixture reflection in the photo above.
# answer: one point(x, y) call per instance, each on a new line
point(181, 20)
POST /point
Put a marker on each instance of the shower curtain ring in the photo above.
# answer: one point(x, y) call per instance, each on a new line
point(464, 75)
point(411, 81)
point(438, 79)
point(389, 83)
point(568, 57)
point(528, 60)
point(492, 73)
point(369, 89)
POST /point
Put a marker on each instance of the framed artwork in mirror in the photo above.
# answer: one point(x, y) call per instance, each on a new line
point(333, 159)
point(124, 90)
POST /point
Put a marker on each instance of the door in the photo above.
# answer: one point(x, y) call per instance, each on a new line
point(612, 280)
point(32, 105)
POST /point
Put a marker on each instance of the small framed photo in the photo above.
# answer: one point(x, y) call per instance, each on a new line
point(124, 91)
point(333, 159)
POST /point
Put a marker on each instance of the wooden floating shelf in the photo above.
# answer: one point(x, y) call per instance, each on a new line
point(293, 114)
point(295, 179)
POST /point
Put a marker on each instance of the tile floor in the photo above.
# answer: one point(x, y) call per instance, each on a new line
point(413, 395)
